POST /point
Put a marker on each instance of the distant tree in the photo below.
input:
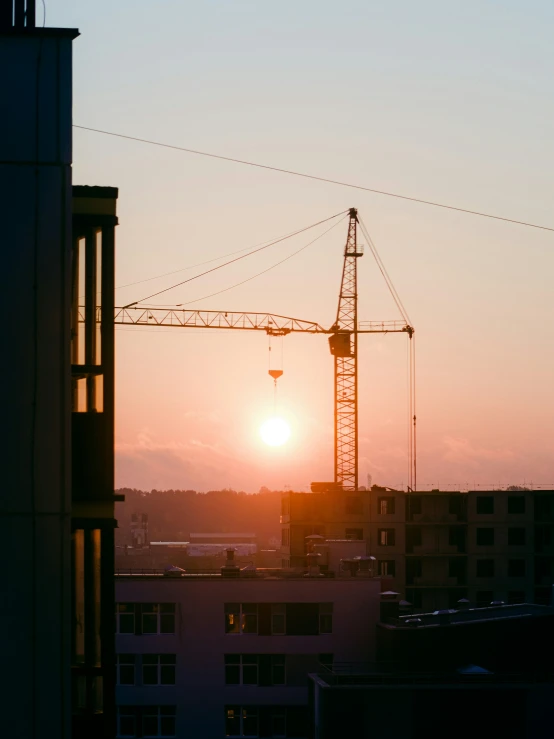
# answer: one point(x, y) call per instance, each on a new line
point(518, 488)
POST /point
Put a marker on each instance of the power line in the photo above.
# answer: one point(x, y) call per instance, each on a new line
point(232, 261)
point(319, 179)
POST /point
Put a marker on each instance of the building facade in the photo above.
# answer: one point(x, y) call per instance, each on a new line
point(437, 547)
point(35, 505)
point(92, 450)
point(216, 656)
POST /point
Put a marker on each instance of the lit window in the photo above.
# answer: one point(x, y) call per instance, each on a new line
point(241, 721)
point(386, 537)
point(386, 506)
point(241, 618)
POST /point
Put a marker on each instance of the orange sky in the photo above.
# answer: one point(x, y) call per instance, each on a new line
point(425, 102)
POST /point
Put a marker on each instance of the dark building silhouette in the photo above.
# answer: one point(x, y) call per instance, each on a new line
point(35, 504)
point(92, 436)
point(57, 425)
point(478, 672)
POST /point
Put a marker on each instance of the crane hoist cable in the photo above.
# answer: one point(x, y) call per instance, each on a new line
point(411, 360)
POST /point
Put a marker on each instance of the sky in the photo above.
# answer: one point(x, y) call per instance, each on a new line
point(444, 101)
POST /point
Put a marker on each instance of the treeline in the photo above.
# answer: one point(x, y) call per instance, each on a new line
point(174, 514)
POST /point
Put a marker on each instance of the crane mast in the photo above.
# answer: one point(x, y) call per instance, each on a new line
point(344, 346)
point(343, 343)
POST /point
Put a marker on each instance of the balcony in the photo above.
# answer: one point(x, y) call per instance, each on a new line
point(285, 518)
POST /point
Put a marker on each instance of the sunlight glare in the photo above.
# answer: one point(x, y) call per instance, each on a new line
point(275, 431)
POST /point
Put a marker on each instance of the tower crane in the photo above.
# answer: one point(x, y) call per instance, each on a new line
point(343, 343)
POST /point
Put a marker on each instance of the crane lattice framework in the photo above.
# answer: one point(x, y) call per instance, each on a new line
point(344, 347)
point(343, 342)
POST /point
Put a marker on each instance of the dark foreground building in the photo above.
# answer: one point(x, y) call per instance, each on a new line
point(57, 373)
point(474, 672)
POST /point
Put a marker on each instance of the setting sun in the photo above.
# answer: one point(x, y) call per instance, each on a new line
point(275, 431)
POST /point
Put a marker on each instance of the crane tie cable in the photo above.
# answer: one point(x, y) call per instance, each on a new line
point(237, 259)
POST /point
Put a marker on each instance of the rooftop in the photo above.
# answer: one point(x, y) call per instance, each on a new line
point(242, 573)
point(359, 675)
point(469, 615)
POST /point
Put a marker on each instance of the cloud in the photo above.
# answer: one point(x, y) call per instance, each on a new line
point(461, 451)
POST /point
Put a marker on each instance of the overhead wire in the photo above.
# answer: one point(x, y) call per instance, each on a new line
point(232, 261)
point(305, 175)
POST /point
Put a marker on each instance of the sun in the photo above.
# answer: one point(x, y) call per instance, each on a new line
point(275, 431)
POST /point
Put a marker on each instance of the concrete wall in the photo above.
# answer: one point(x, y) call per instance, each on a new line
point(201, 643)
point(35, 197)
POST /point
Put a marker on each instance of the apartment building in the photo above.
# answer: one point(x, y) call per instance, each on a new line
point(216, 656)
point(435, 547)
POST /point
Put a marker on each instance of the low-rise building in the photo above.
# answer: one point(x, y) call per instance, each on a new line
point(215, 656)
point(480, 672)
point(436, 547)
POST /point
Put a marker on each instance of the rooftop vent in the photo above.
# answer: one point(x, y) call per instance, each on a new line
point(230, 568)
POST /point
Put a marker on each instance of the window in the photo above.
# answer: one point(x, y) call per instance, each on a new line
point(125, 618)
point(145, 618)
point(386, 537)
point(325, 618)
point(454, 505)
point(516, 504)
point(484, 598)
point(357, 534)
point(267, 721)
point(353, 505)
point(516, 596)
point(241, 618)
point(516, 537)
point(414, 504)
point(278, 724)
point(267, 619)
point(326, 660)
point(485, 537)
point(125, 669)
point(278, 618)
point(285, 537)
point(485, 568)
point(278, 671)
point(414, 537)
point(485, 504)
point(516, 568)
point(127, 721)
point(241, 721)
point(158, 669)
point(146, 721)
point(158, 618)
point(387, 567)
point(255, 669)
point(386, 506)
